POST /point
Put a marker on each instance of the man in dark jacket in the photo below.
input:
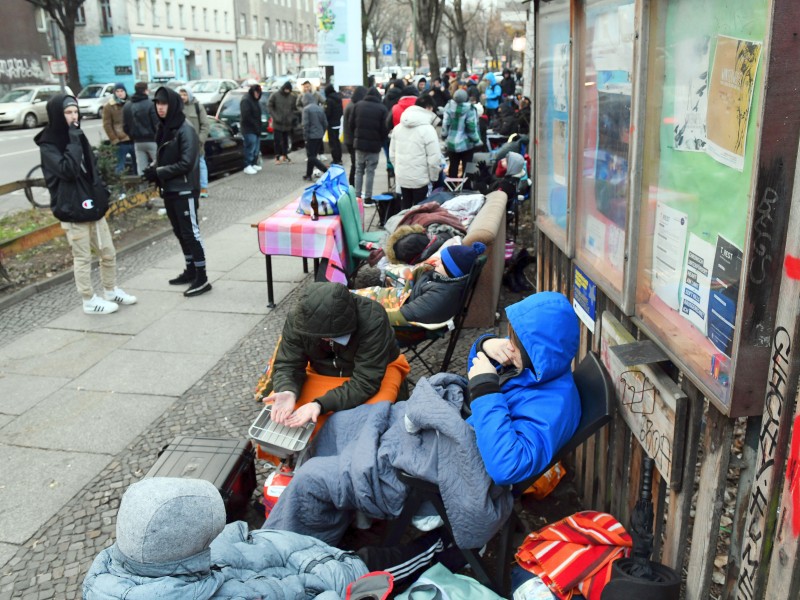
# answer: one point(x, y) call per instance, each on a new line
point(71, 175)
point(508, 84)
point(333, 112)
point(349, 134)
point(282, 109)
point(314, 126)
point(178, 175)
point(369, 127)
point(337, 334)
point(250, 126)
point(140, 123)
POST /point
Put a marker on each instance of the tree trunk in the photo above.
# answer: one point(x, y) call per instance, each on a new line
point(433, 56)
point(73, 75)
point(461, 43)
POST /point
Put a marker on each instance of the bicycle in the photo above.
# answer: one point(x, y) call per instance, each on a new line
point(35, 189)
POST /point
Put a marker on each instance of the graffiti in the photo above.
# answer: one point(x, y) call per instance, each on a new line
point(637, 392)
point(21, 69)
point(793, 476)
point(657, 445)
point(762, 237)
point(767, 443)
point(792, 265)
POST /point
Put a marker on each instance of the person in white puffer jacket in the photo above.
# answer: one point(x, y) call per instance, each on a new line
point(414, 151)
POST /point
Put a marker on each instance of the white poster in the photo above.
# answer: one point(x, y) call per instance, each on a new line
point(669, 242)
point(612, 39)
point(595, 236)
point(616, 246)
point(339, 40)
point(560, 76)
point(697, 281)
point(691, 93)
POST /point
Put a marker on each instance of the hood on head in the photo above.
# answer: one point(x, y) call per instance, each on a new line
point(329, 89)
point(253, 90)
point(406, 244)
point(490, 78)
point(410, 90)
point(460, 96)
point(57, 130)
point(374, 93)
point(175, 116)
point(414, 116)
point(547, 327)
point(308, 99)
point(287, 87)
point(515, 164)
point(325, 310)
point(188, 90)
point(166, 520)
point(358, 94)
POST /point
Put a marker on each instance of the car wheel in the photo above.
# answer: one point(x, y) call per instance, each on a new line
point(100, 113)
point(30, 121)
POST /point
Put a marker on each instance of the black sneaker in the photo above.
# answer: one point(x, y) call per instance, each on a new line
point(307, 178)
point(187, 276)
point(368, 201)
point(198, 288)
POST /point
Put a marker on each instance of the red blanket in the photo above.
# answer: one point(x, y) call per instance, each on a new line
point(575, 554)
point(431, 212)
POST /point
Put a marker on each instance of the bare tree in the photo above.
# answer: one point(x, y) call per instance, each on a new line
point(64, 13)
point(428, 17)
point(458, 22)
point(369, 10)
point(398, 18)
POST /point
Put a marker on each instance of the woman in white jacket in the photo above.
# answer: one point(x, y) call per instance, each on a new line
point(414, 151)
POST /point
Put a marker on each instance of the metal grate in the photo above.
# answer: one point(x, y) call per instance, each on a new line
point(278, 439)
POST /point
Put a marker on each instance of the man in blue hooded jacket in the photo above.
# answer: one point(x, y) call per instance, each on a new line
point(493, 95)
point(523, 399)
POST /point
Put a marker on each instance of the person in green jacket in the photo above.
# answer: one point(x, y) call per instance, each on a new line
point(339, 335)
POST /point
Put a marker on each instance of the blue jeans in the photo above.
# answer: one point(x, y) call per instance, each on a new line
point(123, 149)
point(250, 149)
point(203, 173)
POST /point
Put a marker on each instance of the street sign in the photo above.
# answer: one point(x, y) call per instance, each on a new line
point(58, 67)
point(387, 49)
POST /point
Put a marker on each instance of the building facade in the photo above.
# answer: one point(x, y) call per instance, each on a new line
point(25, 47)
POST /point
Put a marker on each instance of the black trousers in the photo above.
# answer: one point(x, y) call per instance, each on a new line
point(281, 142)
point(335, 144)
point(410, 196)
point(352, 152)
point(314, 148)
point(457, 158)
point(182, 213)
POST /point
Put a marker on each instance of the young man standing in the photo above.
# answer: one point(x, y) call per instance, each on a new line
point(250, 124)
point(198, 118)
point(282, 108)
point(368, 122)
point(333, 112)
point(113, 125)
point(177, 174)
point(140, 123)
point(314, 126)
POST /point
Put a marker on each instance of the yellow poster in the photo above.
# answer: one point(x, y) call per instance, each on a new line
point(733, 76)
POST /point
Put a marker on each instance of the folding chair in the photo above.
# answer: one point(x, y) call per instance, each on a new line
point(354, 232)
point(416, 339)
point(597, 406)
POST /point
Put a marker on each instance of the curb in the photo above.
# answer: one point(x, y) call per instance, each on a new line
point(41, 286)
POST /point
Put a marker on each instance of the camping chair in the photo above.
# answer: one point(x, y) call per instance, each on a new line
point(416, 339)
point(354, 232)
point(597, 406)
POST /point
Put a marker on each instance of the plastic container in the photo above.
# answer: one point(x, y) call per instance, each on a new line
point(279, 440)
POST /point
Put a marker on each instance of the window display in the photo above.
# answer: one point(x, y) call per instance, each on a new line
point(552, 127)
point(701, 134)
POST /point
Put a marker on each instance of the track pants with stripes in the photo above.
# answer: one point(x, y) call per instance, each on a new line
point(182, 213)
point(406, 562)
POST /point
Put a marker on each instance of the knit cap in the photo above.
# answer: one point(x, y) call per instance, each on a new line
point(460, 96)
point(458, 260)
point(120, 86)
point(69, 101)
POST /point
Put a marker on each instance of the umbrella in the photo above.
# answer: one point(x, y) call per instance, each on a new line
point(642, 525)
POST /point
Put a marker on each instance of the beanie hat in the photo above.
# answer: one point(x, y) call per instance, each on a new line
point(458, 260)
point(460, 96)
point(163, 520)
point(120, 86)
point(69, 101)
point(474, 77)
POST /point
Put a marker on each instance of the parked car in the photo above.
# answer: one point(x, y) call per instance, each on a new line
point(93, 97)
point(210, 92)
point(229, 112)
point(27, 106)
point(275, 82)
point(312, 75)
point(224, 149)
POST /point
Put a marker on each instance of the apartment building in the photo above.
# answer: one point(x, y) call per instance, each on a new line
point(24, 45)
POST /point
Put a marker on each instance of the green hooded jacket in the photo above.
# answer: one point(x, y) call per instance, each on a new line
point(329, 310)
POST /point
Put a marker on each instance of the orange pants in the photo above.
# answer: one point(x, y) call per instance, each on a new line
point(317, 385)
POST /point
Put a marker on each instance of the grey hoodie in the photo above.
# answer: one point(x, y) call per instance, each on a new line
point(315, 124)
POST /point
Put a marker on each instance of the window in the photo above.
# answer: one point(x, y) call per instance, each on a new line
point(242, 24)
point(246, 60)
point(216, 21)
point(291, 31)
point(41, 20)
point(140, 12)
point(208, 61)
point(258, 63)
point(254, 28)
point(105, 16)
point(80, 16)
point(172, 61)
point(194, 18)
point(227, 23)
point(168, 12)
point(159, 61)
point(154, 13)
point(205, 19)
point(266, 27)
point(181, 16)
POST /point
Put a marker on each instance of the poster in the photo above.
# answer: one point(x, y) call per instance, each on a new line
point(616, 247)
point(691, 93)
point(611, 158)
point(612, 39)
point(339, 40)
point(697, 282)
point(560, 76)
point(595, 236)
point(560, 152)
point(584, 298)
point(730, 96)
point(669, 243)
point(724, 294)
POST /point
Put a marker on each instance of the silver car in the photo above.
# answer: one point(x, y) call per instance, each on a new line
point(93, 97)
point(27, 106)
point(210, 92)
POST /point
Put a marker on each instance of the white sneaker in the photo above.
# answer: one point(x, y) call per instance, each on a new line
point(257, 167)
point(250, 170)
point(97, 306)
point(120, 297)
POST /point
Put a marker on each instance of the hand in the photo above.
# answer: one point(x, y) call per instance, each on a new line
point(282, 406)
point(304, 414)
point(150, 174)
point(481, 365)
point(500, 350)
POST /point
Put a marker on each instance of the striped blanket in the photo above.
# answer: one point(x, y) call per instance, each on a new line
point(575, 554)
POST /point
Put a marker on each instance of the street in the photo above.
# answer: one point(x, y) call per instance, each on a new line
point(18, 155)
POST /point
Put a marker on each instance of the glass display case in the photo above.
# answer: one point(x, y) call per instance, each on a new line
point(553, 122)
point(701, 140)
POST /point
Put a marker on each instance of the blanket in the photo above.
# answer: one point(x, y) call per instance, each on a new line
point(359, 452)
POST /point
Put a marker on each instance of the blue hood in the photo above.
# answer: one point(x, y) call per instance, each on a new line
point(548, 328)
point(490, 78)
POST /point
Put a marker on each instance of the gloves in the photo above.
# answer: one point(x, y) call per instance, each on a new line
point(150, 174)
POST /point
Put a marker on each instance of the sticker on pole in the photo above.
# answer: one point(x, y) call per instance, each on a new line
point(58, 67)
point(584, 298)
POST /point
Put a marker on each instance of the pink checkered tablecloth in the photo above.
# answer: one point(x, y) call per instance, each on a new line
point(290, 234)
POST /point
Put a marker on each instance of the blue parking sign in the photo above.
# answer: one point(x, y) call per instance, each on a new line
point(387, 49)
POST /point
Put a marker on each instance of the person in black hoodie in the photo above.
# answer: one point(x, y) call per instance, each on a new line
point(349, 134)
point(508, 84)
point(139, 120)
point(177, 173)
point(369, 126)
point(79, 199)
point(250, 125)
point(333, 112)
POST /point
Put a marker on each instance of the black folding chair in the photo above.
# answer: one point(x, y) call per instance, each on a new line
point(416, 340)
point(597, 406)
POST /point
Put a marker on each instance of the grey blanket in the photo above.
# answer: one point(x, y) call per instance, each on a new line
point(359, 452)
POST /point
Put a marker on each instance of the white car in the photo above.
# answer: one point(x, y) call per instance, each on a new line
point(27, 106)
point(93, 97)
point(210, 92)
point(311, 75)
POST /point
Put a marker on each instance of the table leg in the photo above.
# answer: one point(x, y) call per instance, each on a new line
point(270, 294)
point(316, 266)
point(305, 265)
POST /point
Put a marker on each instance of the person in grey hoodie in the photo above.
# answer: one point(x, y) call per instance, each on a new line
point(315, 124)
